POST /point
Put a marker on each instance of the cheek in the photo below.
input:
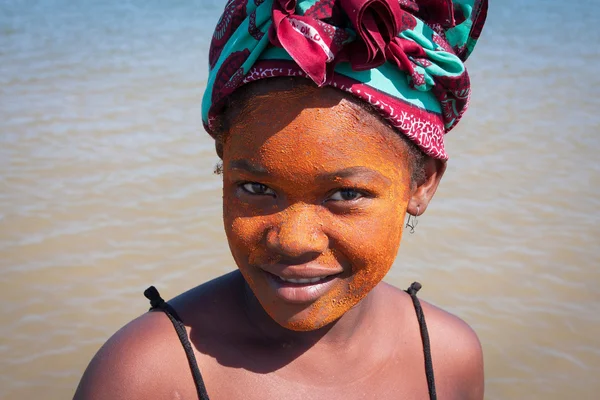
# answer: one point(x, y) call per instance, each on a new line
point(243, 237)
point(239, 228)
point(245, 227)
point(372, 248)
point(373, 241)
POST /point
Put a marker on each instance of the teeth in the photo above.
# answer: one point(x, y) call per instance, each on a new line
point(307, 280)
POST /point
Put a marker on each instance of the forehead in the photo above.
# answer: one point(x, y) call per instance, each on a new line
point(319, 127)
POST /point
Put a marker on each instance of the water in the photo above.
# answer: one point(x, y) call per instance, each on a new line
point(106, 187)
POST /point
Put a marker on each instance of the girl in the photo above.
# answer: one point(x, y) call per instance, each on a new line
point(321, 162)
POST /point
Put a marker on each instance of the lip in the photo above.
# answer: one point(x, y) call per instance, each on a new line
point(299, 293)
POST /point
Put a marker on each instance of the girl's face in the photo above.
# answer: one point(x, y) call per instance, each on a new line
point(314, 198)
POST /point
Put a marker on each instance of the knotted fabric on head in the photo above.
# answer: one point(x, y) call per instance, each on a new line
point(404, 57)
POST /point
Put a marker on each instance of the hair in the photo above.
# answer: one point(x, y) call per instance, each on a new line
point(417, 157)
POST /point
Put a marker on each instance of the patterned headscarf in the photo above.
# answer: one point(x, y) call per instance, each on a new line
point(404, 57)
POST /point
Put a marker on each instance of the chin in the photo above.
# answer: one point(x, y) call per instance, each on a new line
point(306, 322)
point(312, 317)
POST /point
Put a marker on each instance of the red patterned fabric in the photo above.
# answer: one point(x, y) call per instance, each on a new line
point(426, 40)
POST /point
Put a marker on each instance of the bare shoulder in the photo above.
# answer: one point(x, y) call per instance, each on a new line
point(455, 348)
point(456, 353)
point(145, 358)
point(132, 364)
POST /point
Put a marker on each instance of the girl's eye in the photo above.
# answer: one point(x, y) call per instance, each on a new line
point(258, 189)
point(346, 195)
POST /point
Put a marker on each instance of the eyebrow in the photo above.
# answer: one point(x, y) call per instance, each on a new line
point(350, 172)
point(247, 166)
point(356, 172)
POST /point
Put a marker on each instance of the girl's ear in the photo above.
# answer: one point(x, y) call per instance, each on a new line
point(422, 194)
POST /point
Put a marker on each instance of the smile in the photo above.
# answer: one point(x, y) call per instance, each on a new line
point(303, 280)
point(300, 289)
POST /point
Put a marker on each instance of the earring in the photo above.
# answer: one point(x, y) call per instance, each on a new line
point(412, 225)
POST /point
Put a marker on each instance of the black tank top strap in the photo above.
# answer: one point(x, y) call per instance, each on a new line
point(157, 303)
point(412, 291)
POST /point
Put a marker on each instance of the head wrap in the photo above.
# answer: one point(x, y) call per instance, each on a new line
point(404, 57)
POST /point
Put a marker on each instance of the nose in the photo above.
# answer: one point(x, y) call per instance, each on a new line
point(298, 233)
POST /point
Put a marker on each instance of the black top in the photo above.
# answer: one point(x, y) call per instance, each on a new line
point(157, 303)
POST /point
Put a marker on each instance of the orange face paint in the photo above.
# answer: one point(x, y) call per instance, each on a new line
point(314, 197)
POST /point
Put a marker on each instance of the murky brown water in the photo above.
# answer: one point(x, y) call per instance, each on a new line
point(106, 187)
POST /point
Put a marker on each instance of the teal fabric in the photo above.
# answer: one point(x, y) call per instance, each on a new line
point(419, 69)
